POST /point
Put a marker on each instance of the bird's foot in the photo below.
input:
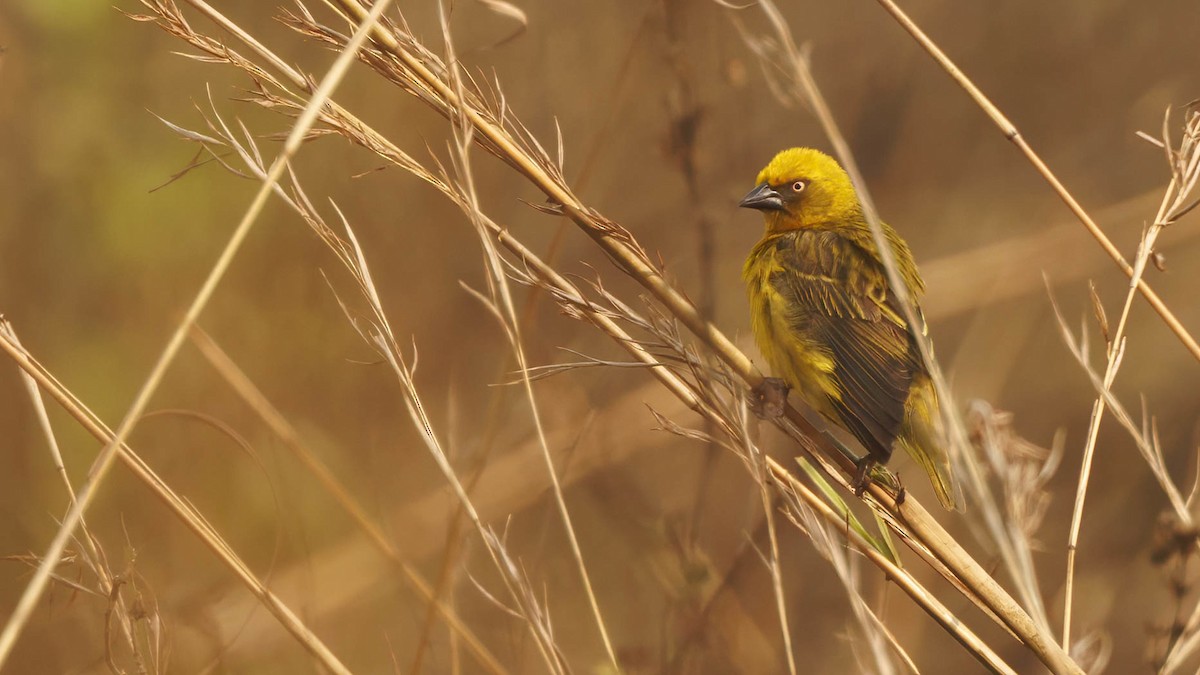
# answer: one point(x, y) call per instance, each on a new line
point(869, 470)
point(862, 475)
point(769, 398)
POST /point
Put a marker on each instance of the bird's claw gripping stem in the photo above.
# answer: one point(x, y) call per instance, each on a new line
point(770, 398)
point(862, 475)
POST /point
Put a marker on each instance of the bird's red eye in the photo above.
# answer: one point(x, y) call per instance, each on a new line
point(798, 186)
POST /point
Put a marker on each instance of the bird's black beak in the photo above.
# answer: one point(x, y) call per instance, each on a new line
point(764, 198)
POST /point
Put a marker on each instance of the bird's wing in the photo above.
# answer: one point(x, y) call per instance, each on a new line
point(841, 302)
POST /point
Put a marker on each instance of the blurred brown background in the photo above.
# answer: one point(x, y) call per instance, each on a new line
point(95, 271)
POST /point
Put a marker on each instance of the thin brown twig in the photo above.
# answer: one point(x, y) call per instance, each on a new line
point(237, 379)
point(108, 455)
point(773, 563)
point(932, 606)
point(1185, 172)
point(91, 553)
point(1011, 132)
point(191, 518)
point(502, 302)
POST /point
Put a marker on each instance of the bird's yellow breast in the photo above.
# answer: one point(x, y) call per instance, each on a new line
point(792, 353)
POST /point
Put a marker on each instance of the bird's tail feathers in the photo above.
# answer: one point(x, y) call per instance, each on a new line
point(923, 440)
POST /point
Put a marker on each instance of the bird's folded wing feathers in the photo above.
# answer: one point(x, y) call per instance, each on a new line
point(871, 345)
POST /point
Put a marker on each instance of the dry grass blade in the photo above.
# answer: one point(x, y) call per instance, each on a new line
point(1011, 133)
point(257, 400)
point(91, 552)
point(1023, 471)
point(1144, 441)
point(379, 334)
point(801, 494)
point(759, 468)
point(1185, 172)
point(110, 452)
point(502, 303)
point(191, 518)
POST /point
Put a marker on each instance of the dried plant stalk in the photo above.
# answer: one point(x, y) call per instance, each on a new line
point(191, 518)
point(292, 439)
point(1184, 164)
point(113, 446)
point(1011, 132)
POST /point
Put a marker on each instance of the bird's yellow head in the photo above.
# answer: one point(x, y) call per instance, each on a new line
point(802, 187)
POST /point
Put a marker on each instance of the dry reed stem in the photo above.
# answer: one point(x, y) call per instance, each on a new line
point(1011, 132)
point(253, 397)
point(182, 509)
point(788, 482)
point(759, 467)
point(92, 553)
point(1010, 268)
point(504, 308)
point(1185, 172)
point(1023, 471)
point(379, 335)
point(108, 455)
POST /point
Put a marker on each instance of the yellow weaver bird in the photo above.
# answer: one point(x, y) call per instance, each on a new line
point(827, 321)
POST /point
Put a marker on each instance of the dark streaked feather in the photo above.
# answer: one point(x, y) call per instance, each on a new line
point(841, 302)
